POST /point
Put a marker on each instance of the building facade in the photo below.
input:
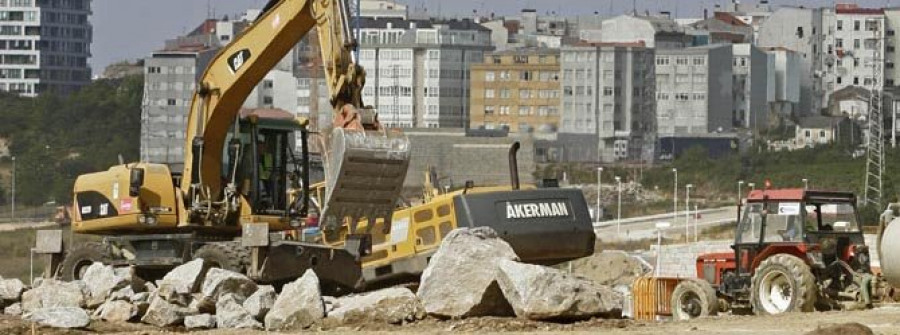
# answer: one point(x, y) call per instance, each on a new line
point(607, 95)
point(800, 30)
point(753, 85)
point(518, 90)
point(418, 71)
point(692, 87)
point(44, 46)
point(855, 40)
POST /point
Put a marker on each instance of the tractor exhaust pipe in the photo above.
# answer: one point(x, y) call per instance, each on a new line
point(514, 165)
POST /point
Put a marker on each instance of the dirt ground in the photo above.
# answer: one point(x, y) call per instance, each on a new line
point(883, 320)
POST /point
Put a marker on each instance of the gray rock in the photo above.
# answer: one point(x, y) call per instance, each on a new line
point(260, 302)
point(200, 321)
point(60, 317)
point(140, 297)
point(298, 306)
point(163, 313)
point(102, 280)
point(116, 310)
point(124, 293)
point(14, 309)
point(541, 293)
point(219, 282)
point(394, 305)
point(168, 293)
point(230, 314)
point(11, 289)
point(330, 303)
point(53, 293)
point(188, 277)
point(460, 280)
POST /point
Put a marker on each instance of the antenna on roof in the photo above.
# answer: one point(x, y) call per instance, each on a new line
point(209, 13)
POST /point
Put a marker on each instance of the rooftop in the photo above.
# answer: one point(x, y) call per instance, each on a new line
point(819, 122)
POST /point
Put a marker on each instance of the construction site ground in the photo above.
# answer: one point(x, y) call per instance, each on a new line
point(882, 320)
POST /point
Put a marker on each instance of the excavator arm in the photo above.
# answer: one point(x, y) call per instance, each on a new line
point(366, 164)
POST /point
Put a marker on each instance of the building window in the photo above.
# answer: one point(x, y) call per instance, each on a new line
point(839, 80)
point(489, 93)
point(682, 97)
point(524, 94)
point(840, 25)
point(504, 110)
point(607, 91)
point(171, 102)
point(855, 43)
point(839, 42)
point(681, 61)
point(821, 134)
point(699, 61)
point(699, 96)
point(496, 59)
point(524, 110)
point(525, 75)
point(567, 91)
point(504, 75)
point(520, 59)
point(807, 133)
point(153, 69)
point(504, 93)
point(856, 25)
point(489, 76)
point(855, 80)
point(488, 110)
point(662, 60)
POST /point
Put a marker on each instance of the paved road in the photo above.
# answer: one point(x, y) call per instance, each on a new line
point(645, 226)
point(6, 227)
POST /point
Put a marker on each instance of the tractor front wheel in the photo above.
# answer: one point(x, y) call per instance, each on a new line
point(783, 283)
point(694, 298)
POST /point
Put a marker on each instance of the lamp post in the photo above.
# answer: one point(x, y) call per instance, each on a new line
point(619, 209)
point(740, 198)
point(696, 223)
point(659, 228)
point(599, 190)
point(687, 214)
point(805, 184)
point(13, 198)
point(675, 197)
point(752, 187)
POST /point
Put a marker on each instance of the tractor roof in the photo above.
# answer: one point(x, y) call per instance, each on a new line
point(799, 194)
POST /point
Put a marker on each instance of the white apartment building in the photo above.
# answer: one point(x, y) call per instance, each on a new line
point(417, 71)
point(607, 99)
point(658, 32)
point(800, 30)
point(787, 68)
point(855, 41)
point(692, 87)
point(44, 46)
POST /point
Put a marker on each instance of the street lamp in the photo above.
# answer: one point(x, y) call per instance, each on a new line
point(696, 223)
point(619, 209)
point(805, 184)
point(752, 187)
point(660, 226)
point(740, 198)
point(13, 214)
point(599, 185)
point(675, 197)
point(687, 214)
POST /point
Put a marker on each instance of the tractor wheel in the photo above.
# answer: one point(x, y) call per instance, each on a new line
point(783, 283)
point(694, 298)
point(80, 257)
point(229, 256)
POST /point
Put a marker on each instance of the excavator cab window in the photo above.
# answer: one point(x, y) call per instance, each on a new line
point(271, 162)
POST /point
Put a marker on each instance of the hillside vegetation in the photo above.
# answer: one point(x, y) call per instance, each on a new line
point(56, 138)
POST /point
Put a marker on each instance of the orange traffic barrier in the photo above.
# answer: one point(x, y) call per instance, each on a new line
point(651, 297)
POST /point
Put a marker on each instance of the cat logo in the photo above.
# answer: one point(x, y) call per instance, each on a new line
point(536, 210)
point(238, 59)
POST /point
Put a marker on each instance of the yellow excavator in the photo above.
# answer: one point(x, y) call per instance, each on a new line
point(245, 202)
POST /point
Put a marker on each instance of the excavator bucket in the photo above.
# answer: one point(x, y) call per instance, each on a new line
point(364, 175)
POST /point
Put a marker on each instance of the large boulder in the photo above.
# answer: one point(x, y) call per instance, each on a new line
point(188, 277)
point(394, 305)
point(260, 302)
point(102, 280)
point(11, 289)
point(60, 317)
point(53, 293)
point(852, 328)
point(163, 313)
point(200, 321)
point(611, 268)
point(541, 293)
point(298, 306)
point(460, 280)
point(116, 310)
point(219, 282)
point(231, 314)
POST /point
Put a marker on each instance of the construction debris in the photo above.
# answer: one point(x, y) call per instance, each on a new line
point(460, 280)
point(200, 321)
point(231, 314)
point(102, 280)
point(54, 293)
point(219, 282)
point(611, 268)
point(188, 277)
point(395, 305)
point(298, 306)
point(15, 309)
point(116, 310)
point(260, 302)
point(163, 313)
point(11, 289)
point(540, 293)
point(60, 317)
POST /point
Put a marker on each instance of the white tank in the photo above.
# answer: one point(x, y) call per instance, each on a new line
point(889, 247)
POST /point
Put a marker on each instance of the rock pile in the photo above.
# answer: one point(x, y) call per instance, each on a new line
point(474, 273)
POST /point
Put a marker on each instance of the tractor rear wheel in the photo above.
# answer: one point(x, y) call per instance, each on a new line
point(783, 283)
point(80, 257)
point(694, 298)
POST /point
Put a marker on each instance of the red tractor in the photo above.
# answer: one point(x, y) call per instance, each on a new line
point(794, 250)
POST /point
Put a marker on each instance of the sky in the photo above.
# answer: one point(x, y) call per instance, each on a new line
point(132, 29)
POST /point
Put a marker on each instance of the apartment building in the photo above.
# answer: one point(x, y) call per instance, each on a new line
point(660, 32)
point(786, 66)
point(607, 105)
point(855, 42)
point(692, 87)
point(418, 70)
point(518, 90)
point(45, 46)
point(754, 86)
point(800, 30)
